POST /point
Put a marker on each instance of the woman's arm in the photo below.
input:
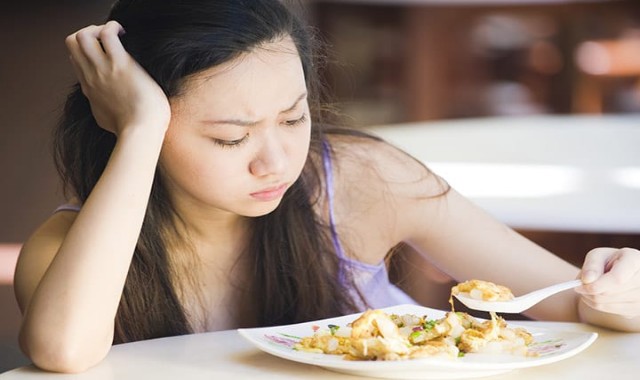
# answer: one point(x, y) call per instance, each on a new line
point(384, 197)
point(468, 243)
point(71, 272)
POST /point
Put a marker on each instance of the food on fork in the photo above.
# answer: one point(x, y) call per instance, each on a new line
point(482, 290)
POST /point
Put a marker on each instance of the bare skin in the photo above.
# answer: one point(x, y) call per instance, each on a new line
point(72, 270)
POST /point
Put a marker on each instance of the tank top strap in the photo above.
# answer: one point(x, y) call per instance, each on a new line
point(328, 170)
point(67, 207)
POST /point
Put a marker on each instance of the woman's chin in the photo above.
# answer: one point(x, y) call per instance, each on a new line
point(262, 209)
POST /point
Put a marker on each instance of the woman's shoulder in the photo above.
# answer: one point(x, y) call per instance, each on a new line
point(56, 226)
point(380, 194)
point(369, 162)
point(39, 250)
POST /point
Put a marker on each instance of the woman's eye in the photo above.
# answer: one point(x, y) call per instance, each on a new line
point(293, 123)
point(230, 143)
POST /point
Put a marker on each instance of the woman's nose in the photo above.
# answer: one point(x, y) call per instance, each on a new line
point(271, 158)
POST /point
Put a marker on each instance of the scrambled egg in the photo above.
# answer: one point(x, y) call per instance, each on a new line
point(483, 290)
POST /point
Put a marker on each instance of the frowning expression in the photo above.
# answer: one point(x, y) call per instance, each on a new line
point(239, 133)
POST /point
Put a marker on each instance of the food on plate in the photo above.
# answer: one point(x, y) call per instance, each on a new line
point(376, 335)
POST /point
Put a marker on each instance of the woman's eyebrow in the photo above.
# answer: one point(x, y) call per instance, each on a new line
point(247, 123)
point(298, 100)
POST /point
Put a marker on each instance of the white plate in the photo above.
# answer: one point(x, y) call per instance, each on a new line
point(552, 346)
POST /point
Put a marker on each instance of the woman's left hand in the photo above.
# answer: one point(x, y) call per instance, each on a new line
point(611, 278)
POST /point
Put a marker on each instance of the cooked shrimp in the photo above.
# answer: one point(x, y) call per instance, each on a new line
point(373, 323)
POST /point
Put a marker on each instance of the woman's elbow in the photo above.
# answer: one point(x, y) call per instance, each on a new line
point(57, 356)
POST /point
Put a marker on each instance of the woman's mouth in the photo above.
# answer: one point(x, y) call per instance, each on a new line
point(270, 194)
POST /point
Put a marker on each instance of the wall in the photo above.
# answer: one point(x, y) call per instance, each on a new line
point(34, 77)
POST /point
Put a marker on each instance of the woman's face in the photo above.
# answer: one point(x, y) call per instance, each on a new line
point(239, 133)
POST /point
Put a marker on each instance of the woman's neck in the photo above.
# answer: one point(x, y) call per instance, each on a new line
point(209, 266)
point(202, 224)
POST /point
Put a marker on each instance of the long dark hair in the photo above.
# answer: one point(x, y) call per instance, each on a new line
point(294, 266)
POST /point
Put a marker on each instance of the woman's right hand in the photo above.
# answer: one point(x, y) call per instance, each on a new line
point(121, 93)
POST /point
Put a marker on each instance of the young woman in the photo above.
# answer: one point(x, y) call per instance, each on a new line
point(205, 198)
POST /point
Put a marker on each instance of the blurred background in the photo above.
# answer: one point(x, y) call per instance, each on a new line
point(390, 62)
point(418, 60)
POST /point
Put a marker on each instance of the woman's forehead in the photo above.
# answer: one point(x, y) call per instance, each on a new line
point(280, 54)
point(251, 84)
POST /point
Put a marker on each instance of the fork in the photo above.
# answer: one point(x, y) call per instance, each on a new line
point(517, 304)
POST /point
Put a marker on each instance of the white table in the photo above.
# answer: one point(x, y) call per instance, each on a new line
point(555, 173)
point(226, 355)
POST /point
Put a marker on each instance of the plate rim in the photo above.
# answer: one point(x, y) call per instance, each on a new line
point(412, 364)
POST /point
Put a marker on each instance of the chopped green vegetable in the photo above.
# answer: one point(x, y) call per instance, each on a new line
point(413, 337)
point(333, 329)
point(429, 325)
